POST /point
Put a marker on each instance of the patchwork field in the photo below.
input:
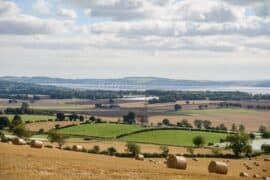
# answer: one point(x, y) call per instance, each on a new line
point(100, 130)
point(173, 137)
point(58, 164)
point(30, 117)
point(252, 119)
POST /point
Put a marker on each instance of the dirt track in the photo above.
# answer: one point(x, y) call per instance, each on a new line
point(23, 162)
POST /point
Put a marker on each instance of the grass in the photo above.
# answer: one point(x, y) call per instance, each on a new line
point(221, 111)
point(27, 117)
point(100, 130)
point(173, 137)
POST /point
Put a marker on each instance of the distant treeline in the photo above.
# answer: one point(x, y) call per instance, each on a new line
point(173, 96)
point(15, 90)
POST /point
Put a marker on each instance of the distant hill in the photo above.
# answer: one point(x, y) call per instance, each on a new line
point(134, 81)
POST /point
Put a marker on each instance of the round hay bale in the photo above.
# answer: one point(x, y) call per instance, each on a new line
point(244, 174)
point(267, 159)
point(264, 170)
point(36, 144)
point(256, 176)
point(266, 178)
point(195, 159)
point(77, 148)
point(177, 162)
point(18, 141)
point(218, 167)
point(139, 157)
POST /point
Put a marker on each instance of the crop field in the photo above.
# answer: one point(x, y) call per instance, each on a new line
point(75, 165)
point(30, 117)
point(252, 119)
point(173, 137)
point(100, 130)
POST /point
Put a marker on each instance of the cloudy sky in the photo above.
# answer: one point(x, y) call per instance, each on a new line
point(181, 39)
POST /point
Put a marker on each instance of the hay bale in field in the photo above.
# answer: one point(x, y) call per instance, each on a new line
point(218, 167)
point(256, 176)
point(139, 157)
point(264, 170)
point(177, 162)
point(77, 148)
point(266, 178)
point(267, 159)
point(36, 144)
point(244, 174)
point(18, 141)
point(195, 159)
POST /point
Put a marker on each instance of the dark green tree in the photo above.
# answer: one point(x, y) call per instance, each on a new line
point(133, 148)
point(130, 118)
point(237, 143)
point(177, 107)
point(199, 141)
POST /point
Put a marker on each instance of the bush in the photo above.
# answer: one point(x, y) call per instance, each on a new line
point(48, 146)
point(105, 152)
point(210, 144)
point(87, 139)
point(111, 151)
point(199, 141)
point(266, 134)
point(266, 148)
point(68, 148)
point(84, 150)
point(96, 149)
point(21, 131)
point(41, 131)
point(133, 148)
point(124, 154)
point(165, 151)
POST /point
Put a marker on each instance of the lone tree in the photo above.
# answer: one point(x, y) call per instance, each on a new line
point(60, 116)
point(166, 121)
point(58, 138)
point(16, 121)
point(207, 124)
point(24, 107)
point(129, 118)
point(198, 123)
point(234, 128)
point(177, 107)
point(133, 148)
point(262, 129)
point(238, 143)
point(242, 128)
point(199, 141)
point(4, 122)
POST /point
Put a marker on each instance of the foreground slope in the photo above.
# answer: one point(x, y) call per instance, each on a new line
point(23, 162)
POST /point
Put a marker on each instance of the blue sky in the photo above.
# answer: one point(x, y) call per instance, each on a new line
point(187, 39)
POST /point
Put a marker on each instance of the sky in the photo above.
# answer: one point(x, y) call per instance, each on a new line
point(179, 39)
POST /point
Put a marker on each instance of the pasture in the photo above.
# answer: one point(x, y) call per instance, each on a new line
point(100, 130)
point(30, 117)
point(173, 137)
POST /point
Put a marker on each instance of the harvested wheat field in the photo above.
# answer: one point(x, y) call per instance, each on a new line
point(23, 162)
point(48, 125)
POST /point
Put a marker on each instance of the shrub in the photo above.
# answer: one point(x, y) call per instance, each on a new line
point(210, 144)
point(266, 148)
point(48, 146)
point(105, 152)
point(87, 139)
point(199, 141)
point(21, 131)
point(111, 151)
point(133, 148)
point(165, 151)
point(96, 149)
point(124, 154)
point(41, 131)
point(266, 134)
point(84, 150)
point(68, 148)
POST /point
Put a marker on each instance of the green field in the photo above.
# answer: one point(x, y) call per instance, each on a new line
point(26, 117)
point(222, 111)
point(100, 130)
point(173, 137)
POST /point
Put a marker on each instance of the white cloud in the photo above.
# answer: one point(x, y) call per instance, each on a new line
point(8, 8)
point(67, 13)
point(41, 6)
point(87, 12)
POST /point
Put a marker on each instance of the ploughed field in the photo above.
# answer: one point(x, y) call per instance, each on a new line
point(23, 162)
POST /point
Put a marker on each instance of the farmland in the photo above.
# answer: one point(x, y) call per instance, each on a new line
point(74, 165)
point(29, 117)
point(100, 130)
point(173, 137)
